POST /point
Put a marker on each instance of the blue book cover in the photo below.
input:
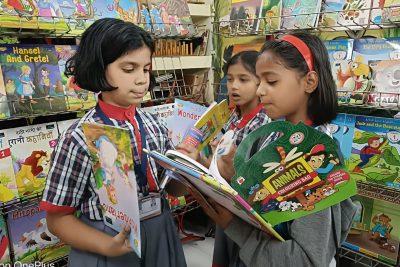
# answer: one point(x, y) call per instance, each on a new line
point(347, 138)
point(337, 127)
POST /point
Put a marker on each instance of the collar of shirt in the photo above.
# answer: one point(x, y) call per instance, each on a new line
point(243, 122)
point(117, 113)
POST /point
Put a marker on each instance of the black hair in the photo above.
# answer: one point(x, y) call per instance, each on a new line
point(102, 43)
point(44, 69)
point(247, 58)
point(323, 102)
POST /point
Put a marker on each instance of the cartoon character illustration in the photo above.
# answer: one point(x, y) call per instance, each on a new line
point(45, 82)
point(26, 87)
point(164, 15)
point(289, 205)
point(367, 152)
point(10, 87)
point(387, 78)
point(123, 14)
point(38, 162)
point(79, 10)
point(319, 194)
point(259, 193)
point(47, 10)
point(317, 157)
point(351, 9)
point(380, 233)
point(280, 166)
point(146, 19)
point(158, 23)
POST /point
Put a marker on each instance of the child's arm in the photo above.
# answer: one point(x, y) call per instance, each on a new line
point(74, 232)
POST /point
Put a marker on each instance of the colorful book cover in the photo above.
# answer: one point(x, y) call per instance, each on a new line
point(113, 167)
point(64, 125)
point(31, 240)
point(8, 187)
point(32, 79)
point(347, 139)
point(5, 259)
point(31, 148)
point(385, 83)
point(340, 53)
point(168, 17)
point(78, 14)
point(77, 97)
point(337, 127)
point(185, 116)
point(300, 14)
point(4, 110)
point(342, 15)
point(385, 13)
point(375, 230)
point(41, 14)
point(271, 14)
point(247, 14)
point(298, 174)
point(375, 155)
point(127, 10)
point(164, 112)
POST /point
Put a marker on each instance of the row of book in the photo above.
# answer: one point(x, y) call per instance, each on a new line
point(367, 70)
point(162, 17)
point(262, 15)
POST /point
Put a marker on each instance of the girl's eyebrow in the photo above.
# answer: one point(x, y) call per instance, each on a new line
point(134, 64)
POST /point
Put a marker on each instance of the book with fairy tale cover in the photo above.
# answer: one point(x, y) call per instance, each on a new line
point(31, 148)
point(127, 10)
point(296, 14)
point(32, 79)
point(77, 13)
point(31, 240)
point(113, 167)
point(5, 259)
point(8, 187)
point(375, 153)
point(247, 13)
point(77, 98)
point(271, 14)
point(4, 110)
point(296, 175)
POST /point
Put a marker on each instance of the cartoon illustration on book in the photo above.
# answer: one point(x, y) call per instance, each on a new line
point(4, 243)
point(8, 187)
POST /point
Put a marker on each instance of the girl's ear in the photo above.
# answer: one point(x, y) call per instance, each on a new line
point(311, 82)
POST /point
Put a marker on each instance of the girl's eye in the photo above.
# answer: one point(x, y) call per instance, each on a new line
point(128, 70)
point(146, 70)
point(243, 80)
point(271, 82)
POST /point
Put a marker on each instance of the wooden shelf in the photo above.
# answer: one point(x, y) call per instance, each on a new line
point(181, 62)
point(200, 10)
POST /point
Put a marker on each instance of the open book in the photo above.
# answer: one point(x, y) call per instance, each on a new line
point(208, 125)
point(113, 168)
point(282, 172)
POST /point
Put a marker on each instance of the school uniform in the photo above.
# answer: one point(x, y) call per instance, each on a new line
point(71, 186)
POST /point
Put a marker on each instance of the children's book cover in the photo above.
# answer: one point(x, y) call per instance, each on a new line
point(8, 187)
point(375, 155)
point(31, 148)
point(164, 112)
point(385, 83)
point(113, 168)
point(127, 10)
point(4, 243)
point(4, 110)
point(337, 127)
point(78, 14)
point(64, 125)
point(32, 79)
point(271, 14)
point(186, 114)
point(247, 14)
point(375, 230)
point(385, 13)
point(31, 240)
point(168, 17)
point(346, 14)
point(300, 14)
point(340, 53)
point(347, 139)
point(298, 174)
point(77, 98)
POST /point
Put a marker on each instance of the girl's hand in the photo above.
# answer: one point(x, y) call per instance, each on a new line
point(225, 164)
point(216, 212)
point(120, 244)
point(188, 150)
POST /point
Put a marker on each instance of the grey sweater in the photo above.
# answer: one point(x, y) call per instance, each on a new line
point(312, 240)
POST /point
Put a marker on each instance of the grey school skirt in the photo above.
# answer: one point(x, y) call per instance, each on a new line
point(160, 246)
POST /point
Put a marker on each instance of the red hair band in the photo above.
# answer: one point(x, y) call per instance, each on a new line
point(302, 48)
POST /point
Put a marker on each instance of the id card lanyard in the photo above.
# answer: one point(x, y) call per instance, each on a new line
point(141, 168)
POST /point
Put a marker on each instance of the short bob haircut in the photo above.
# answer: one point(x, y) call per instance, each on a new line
point(102, 43)
point(247, 58)
point(323, 102)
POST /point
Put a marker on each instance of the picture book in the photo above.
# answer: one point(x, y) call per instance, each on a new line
point(298, 174)
point(4, 243)
point(300, 14)
point(168, 17)
point(375, 153)
point(247, 14)
point(196, 177)
point(28, 14)
point(78, 14)
point(208, 125)
point(32, 79)
point(127, 10)
point(186, 114)
point(164, 112)
point(64, 125)
point(4, 110)
point(384, 13)
point(31, 148)
point(375, 230)
point(111, 154)
point(77, 98)
point(340, 15)
point(8, 187)
point(347, 138)
point(271, 15)
point(337, 127)
point(340, 53)
point(31, 240)
point(385, 83)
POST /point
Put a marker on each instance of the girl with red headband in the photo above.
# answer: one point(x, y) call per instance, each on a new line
point(295, 83)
